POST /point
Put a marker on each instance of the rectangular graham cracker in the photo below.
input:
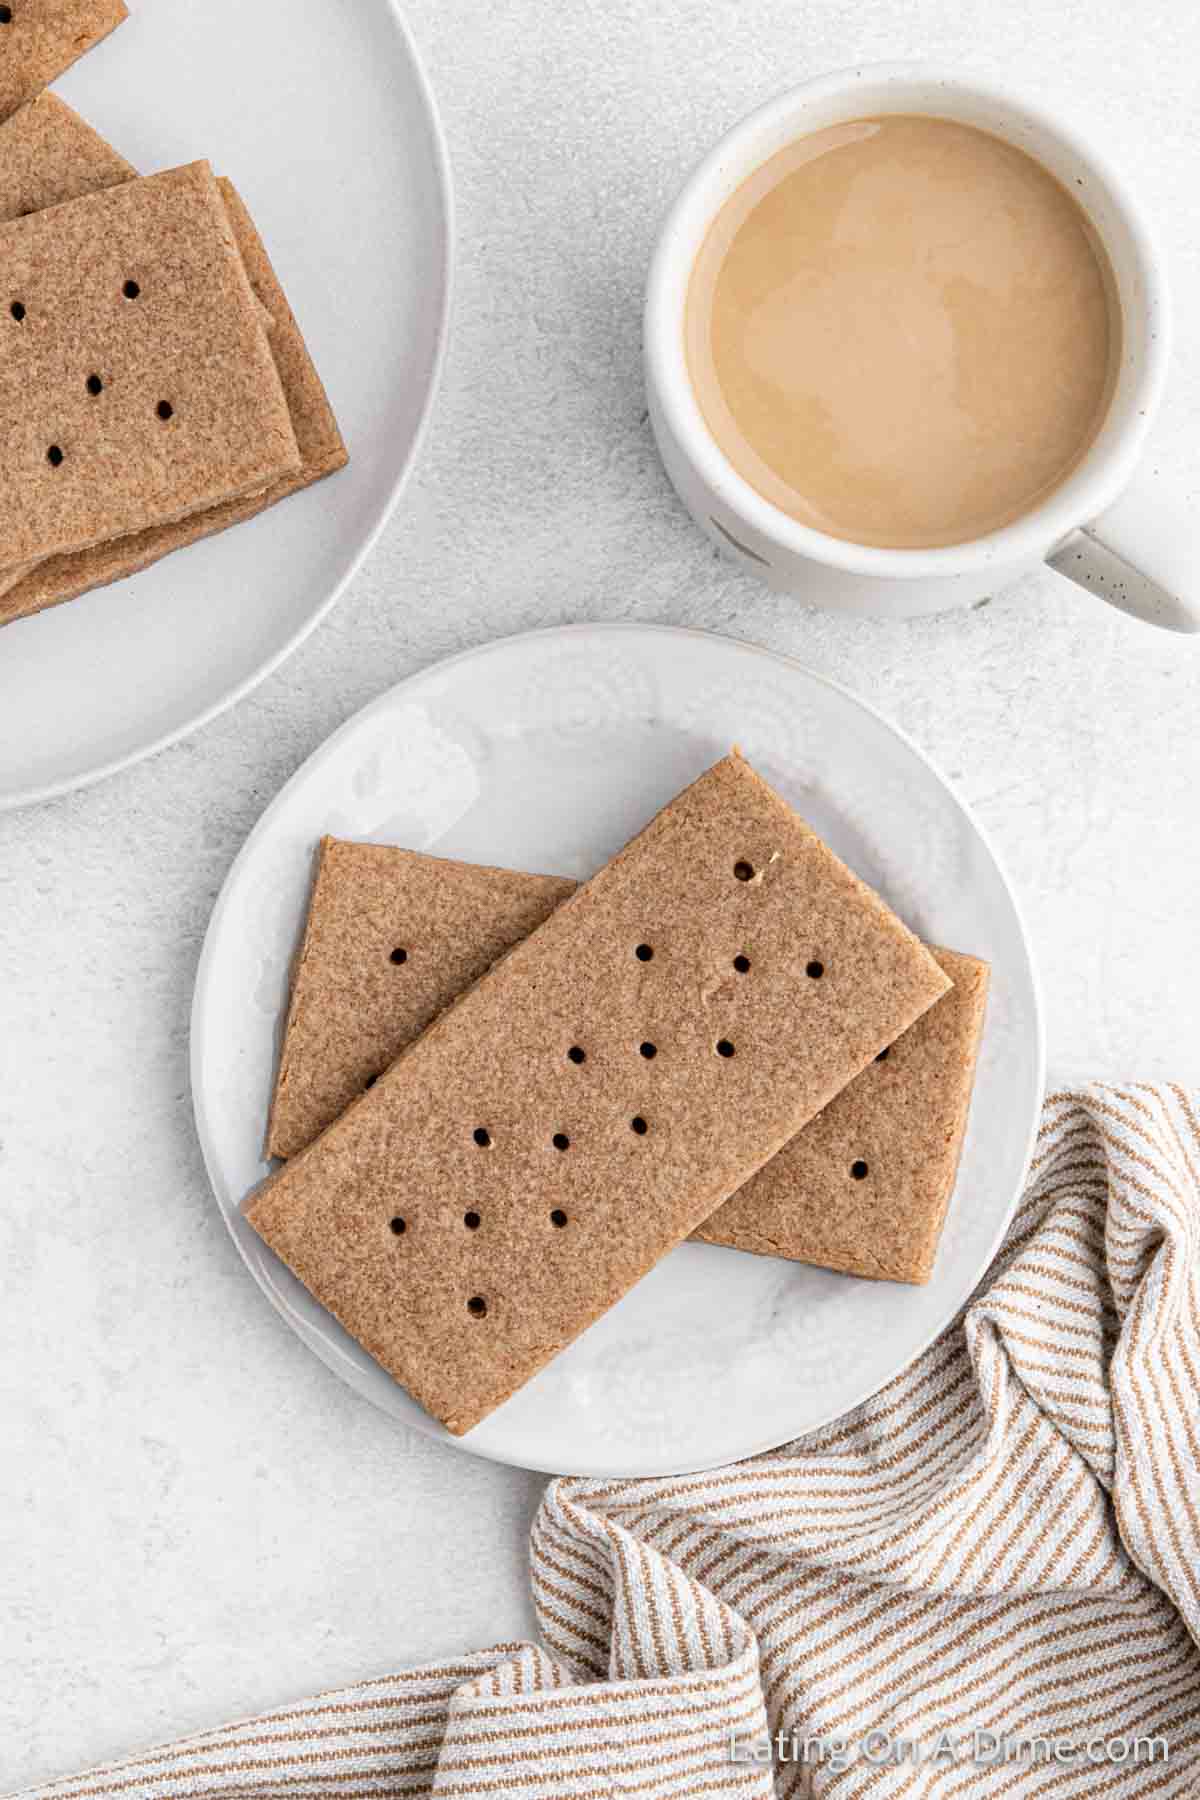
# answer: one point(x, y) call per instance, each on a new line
point(141, 286)
point(48, 155)
point(492, 1194)
point(864, 1188)
point(353, 1010)
point(320, 443)
point(39, 39)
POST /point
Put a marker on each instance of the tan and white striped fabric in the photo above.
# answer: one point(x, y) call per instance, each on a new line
point(1006, 1540)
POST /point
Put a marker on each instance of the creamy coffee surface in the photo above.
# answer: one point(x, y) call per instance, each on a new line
point(903, 332)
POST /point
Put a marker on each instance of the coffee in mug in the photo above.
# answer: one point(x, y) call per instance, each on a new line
point(903, 331)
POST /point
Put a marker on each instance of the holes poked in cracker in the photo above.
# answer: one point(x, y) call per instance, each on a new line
point(472, 1221)
point(94, 386)
point(751, 873)
point(132, 290)
point(648, 1050)
point(482, 1137)
point(859, 1170)
point(56, 456)
point(638, 1126)
point(17, 311)
point(397, 1226)
point(477, 1306)
point(725, 1049)
point(6, 15)
point(742, 964)
point(399, 956)
point(165, 411)
point(815, 969)
point(558, 1218)
point(577, 1054)
point(644, 953)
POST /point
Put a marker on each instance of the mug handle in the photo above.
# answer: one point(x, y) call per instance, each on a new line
point(1140, 555)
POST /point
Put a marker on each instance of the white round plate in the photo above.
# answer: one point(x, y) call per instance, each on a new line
point(322, 117)
point(547, 752)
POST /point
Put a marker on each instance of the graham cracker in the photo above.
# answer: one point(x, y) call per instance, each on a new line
point(864, 1188)
point(321, 447)
point(49, 155)
point(140, 285)
point(491, 1195)
point(39, 39)
point(392, 937)
point(353, 1010)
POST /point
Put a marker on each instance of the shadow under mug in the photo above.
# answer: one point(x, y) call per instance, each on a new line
point(1112, 527)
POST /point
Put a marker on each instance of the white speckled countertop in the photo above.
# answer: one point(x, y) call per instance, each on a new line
point(196, 1519)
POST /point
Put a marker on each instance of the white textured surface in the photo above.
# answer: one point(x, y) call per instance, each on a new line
point(195, 1518)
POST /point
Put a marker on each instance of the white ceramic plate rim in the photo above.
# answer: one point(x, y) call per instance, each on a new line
point(13, 800)
point(410, 688)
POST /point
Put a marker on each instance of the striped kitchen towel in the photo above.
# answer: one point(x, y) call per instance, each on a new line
point(985, 1581)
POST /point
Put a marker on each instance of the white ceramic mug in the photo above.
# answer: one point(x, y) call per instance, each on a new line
point(1112, 527)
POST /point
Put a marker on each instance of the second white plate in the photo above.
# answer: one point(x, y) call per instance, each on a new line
point(323, 119)
point(547, 752)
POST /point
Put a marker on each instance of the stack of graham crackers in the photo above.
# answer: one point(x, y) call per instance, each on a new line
point(154, 385)
point(502, 1098)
